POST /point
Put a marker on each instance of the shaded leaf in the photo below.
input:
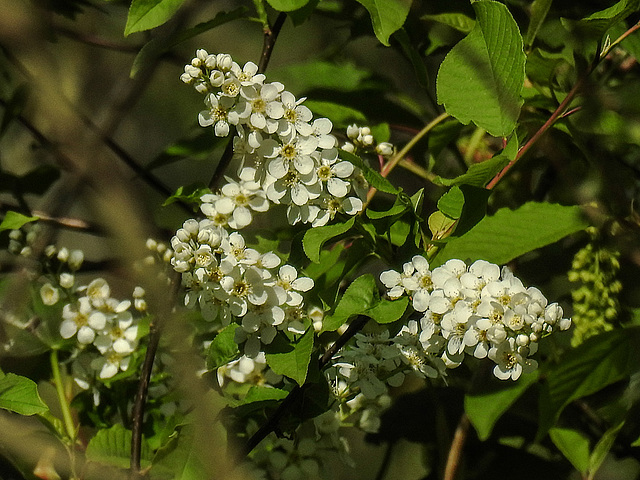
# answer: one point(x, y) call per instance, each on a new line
point(20, 394)
point(603, 447)
point(287, 5)
point(452, 203)
point(340, 115)
point(485, 408)
point(600, 361)
point(223, 348)
point(459, 21)
point(387, 16)
point(112, 446)
point(539, 10)
point(295, 363)
point(574, 446)
point(372, 176)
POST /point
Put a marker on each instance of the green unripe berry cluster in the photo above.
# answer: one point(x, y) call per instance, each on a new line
point(595, 301)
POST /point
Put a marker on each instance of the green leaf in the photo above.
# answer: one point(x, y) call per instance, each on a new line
point(181, 458)
point(603, 447)
point(539, 10)
point(485, 407)
point(339, 115)
point(387, 16)
point(452, 203)
point(596, 24)
point(198, 146)
point(112, 446)
point(574, 446)
point(510, 233)
point(287, 5)
point(148, 14)
point(159, 45)
point(481, 78)
point(372, 176)
point(315, 238)
point(458, 21)
point(295, 363)
point(388, 311)
point(359, 297)
point(188, 194)
point(398, 208)
point(411, 52)
point(600, 361)
point(20, 394)
point(303, 77)
point(479, 174)
point(258, 393)
point(439, 223)
point(223, 348)
point(14, 220)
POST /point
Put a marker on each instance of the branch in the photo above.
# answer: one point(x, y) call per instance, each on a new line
point(457, 445)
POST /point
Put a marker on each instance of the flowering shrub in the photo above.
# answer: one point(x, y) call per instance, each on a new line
point(361, 265)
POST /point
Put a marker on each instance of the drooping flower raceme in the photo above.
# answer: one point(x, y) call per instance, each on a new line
point(229, 280)
point(477, 310)
point(295, 157)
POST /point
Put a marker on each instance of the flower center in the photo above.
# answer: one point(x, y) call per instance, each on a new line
point(289, 151)
point(324, 173)
point(290, 115)
point(241, 289)
point(241, 199)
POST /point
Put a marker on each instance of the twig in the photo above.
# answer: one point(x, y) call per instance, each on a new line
point(296, 394)
point(386, 170)
point(141, 398)
point(457, 445)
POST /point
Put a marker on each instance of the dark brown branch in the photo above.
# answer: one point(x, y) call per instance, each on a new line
point(141, 398)
point(296, 394)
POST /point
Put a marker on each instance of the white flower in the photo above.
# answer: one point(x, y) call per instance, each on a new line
point(510, 363)
point(290, 150)
point(248, 75)
point(332, 174)
point(218, 114)
point(288, 284)
point(260, 106)
point(49, 294)
point(296, 117)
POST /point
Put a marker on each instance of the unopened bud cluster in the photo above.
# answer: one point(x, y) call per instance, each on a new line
point(360, 139)
point(287, 157)
point(595, 301)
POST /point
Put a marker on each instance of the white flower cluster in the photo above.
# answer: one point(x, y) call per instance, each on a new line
point(229, 280)
point(248, 370)
point(108, 324)
point(295, 159)
point(475, 310)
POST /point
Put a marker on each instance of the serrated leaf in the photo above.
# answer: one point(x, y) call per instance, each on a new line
point(486, 407)
point(315, 238)
point(600, 361)
point(373, 177)
point(574, 446)
point(20, 395)
point(388, 311)
point(539, 10)
point(359, 297)
point(188, 194)
point(14, 220)
point(459, 21)
point(287, 5)
point(159, 45)
point(603, 447)
point(295, 363)
point(510, 233)
point(223, 348)
point(481, 78)
point(340, 115)
point(112, 446)
point(452, 203)
point(387, 16)
point(148, 14)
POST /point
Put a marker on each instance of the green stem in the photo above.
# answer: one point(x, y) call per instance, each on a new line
point(62, 398)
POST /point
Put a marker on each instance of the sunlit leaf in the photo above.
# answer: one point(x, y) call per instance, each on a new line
point(287, 5)
point(315, 238)
point(20, 394)
point(14, 220)
point(148, 14)
point(387, 16)
point(481, 78)
point(295, 363)
point(112, 446)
